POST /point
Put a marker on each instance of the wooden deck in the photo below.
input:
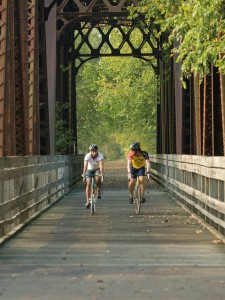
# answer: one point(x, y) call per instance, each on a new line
point(65, 253)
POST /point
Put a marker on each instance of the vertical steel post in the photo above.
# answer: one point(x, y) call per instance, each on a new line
point(3, 42)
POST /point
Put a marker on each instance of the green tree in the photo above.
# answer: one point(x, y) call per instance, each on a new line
point(64, 136)
point(195, 28)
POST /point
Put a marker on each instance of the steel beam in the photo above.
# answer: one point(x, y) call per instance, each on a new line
point(3, 42)
point(19, 109)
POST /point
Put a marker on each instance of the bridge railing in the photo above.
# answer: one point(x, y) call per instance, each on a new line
point(28, 185)
point(196, 181)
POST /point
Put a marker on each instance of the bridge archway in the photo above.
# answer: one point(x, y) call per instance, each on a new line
point(77, 21)
point(180, 127)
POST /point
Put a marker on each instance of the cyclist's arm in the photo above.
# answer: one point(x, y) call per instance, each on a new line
point(129, 165)
point(147, 161)
point(101, 167)
point(148, 166)
point(85, 167)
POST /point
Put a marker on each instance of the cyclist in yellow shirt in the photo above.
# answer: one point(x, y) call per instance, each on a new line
point(136, 161)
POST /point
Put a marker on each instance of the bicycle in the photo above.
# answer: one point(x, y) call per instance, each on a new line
point(93, 192)
point(137, 196)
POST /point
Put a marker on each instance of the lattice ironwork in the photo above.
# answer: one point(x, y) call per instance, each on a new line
point(187, 121)
point(85, 48)
point(77, 22)
point(101, 19)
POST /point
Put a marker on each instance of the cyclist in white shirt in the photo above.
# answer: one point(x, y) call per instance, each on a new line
point(93, 165)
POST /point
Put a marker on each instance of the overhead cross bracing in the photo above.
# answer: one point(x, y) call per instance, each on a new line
point(191, 120)
point(82, 18)
point(77, 22)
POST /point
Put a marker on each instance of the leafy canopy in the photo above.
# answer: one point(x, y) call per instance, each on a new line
point(196, 31)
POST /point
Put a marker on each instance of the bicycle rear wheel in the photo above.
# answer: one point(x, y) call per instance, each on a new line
point(137, 200)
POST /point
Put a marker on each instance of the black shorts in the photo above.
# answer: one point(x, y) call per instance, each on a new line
point(137, 172)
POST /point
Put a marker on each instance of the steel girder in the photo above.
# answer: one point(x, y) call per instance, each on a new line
point(19, 104)
point(209, 118)
point(196, 119)
point(76, 21)
point(3, 33)
point(44, 133)
point(213, 119)
point(190, 121)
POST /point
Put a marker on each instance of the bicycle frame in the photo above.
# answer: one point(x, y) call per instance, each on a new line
point(93, 193)
point(137, 195)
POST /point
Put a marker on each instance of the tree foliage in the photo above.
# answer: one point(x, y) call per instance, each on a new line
point(64, 136)
point(196, 31)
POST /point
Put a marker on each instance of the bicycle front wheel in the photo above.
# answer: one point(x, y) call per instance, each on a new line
point(92, 202)
point(137, 200)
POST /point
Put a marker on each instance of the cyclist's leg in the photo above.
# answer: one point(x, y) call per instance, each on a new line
point(131, 183)
point(131, 186)
point(98, 183)
point(142, 182)
point(88, 186)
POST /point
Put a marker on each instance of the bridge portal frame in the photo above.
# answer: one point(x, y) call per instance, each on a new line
point(76, 21)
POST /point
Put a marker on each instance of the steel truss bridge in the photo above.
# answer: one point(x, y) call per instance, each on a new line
point(42, 46)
